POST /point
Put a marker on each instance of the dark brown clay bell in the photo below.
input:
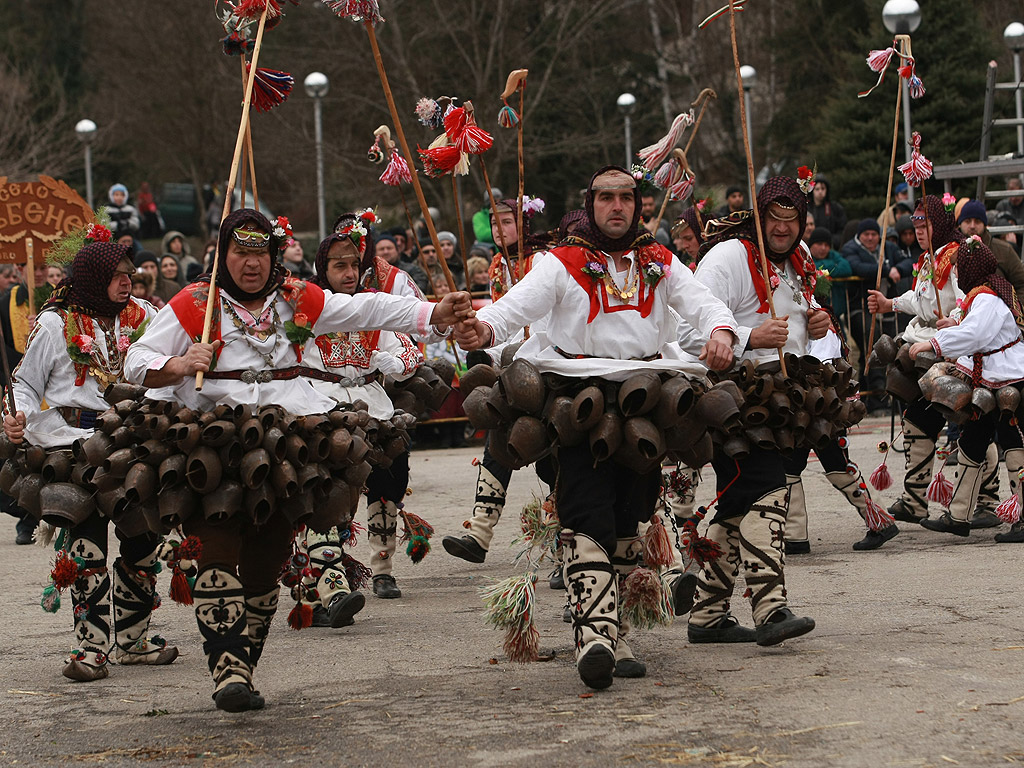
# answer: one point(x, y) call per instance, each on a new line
point(476, 410)
point(901, 386)
point(118, 463)
point(643, 445)
point(57, 467)
point(274, 443)
point(112, 503)
point(140, 483)
point(561, 425)
point(508, 354)
point(356, 475)
point(260, 503)
point(171, 471)
point(674, 402)
point(94, 449)
point(884, 349)
point(340, 442)
point(250, 433)
point(717, 409)
point(153, 452)
point(736, 447)
point(480, 375)
point(230, 454)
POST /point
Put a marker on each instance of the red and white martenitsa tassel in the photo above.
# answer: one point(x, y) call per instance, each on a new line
point(678, 190)
point(1009, 510)
point(919, 167)
point(463, 132)
point(876, 516)
point(356, 10)
point(880, 478)
point(940, 489)
point(655, 154)
point(253, 9)
point(878, 61)
point(397, 172)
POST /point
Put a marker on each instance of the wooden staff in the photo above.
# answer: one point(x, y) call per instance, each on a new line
point(888, 199)
point(406, 152)
point(230, 187)
point(702, 98)
point(750, 173)
point(30, 273)
point(462, 235)
point(7, 366)
point(517, 81)
point(248, 149)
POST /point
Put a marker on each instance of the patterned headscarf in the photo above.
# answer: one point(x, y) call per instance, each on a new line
point(976, 267)
point(944, 229)
point(689, 218)
point(589, 234)
point(235, 219)
point(778, 189)
point(568, 221)
point(86, 291)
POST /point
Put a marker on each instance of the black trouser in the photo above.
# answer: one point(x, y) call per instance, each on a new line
point(132, 549)
point(924, 417)
point(239, 546)
point(833, 457)
point(545, 467)
point(389, 484)
point(604, 501)
point(759, 473)
point(977, 435)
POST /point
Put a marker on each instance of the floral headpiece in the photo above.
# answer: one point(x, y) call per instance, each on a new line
point(949, 202)
point(972, 242)
point(357, 230)
point(805, 178)
point(532, 205)
point(644, 179)
point(96, 231)
point(282, 230)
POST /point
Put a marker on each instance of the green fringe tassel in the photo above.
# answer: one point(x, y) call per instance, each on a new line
point(646, 600)
point(509, 605)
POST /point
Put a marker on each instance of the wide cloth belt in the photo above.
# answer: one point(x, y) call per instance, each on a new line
point(577, 356)
point(252, 376)
point(78, 417)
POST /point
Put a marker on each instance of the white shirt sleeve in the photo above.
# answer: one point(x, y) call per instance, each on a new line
point(697, 304)
point(527, 301)
point(976, 331)
point(368, 311)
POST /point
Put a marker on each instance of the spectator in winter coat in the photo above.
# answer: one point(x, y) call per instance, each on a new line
point(735, 200)
point(174, 244)
point(146, 261)
point(1013, 205)
point(826, 212)
point(124, 219)
point(829, 259)
point(972, 219)
point(152, 223)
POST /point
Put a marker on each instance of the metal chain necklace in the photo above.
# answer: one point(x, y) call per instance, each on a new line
point(629, 286)
point(798, 295)
point(248, 331)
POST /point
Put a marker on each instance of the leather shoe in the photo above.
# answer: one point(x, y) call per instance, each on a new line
point(597, 666)
point(901, 513)
point(81, 672)
point(384, 586)
point(320, 618)
point(875, 539)
point(984, 519)
point(1013, 536)
point(343, 607)
point(556, 580)
point(782, 625)
point(238, 697)
point(726, 630)
point(629, 668)
point(465, 547)
point(946, 524)
point(798, 547)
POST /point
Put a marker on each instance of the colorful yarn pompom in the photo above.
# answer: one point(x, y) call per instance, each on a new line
point(65, 570)
point(50, 601)
point(271, 87)
point(301, 616)
point(508, 117)
point(429, 113)
point(876, 516)
point(657, 551)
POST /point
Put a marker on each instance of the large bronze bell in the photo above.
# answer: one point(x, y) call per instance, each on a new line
point(639, 393)
point(218, 433)
point(57, 467)
point(28, 493)
point(480, 375)
point(884, 349)
point(356, 475)
point(698, 454)
point(112, 503)
point(118, 463)
point(274, 443)
point(717, 408)
point(340, 442)
point(1008, 398)
point(477, 411)
point(64, 505)
point(153, 452)
point(171, 471)
point(508, 354)
point(357, 453)
point(674, 402)
point(108, 421)
point(296, 450)
point(188, 436)
point(983, 401)
point(587, 408)
point(439, 392)
point(223, 501)
point(254, 468)
point(309, 478)
point(953, 395)
point(140, 483)
point(445, 371)
point(528, 440)
point(736, 447)
point(523, 386)
point(561, 425)
point(260, 503)
point(900, 385)
point(176, 505)
point(643, 445)
point(606, 436)
point(251, 434)
point(203, 469)
point(298, 509)
point(927, 381)
point(284, 479)
point(8, 475)
point(93, 449)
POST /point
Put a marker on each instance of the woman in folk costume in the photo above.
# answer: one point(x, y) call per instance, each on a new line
point(360, 360)
point(76, 350)
point(493, 477)
point(986, 345)
point(261, 322)
point(610, 295)
point(935, 284)
point(749, 523)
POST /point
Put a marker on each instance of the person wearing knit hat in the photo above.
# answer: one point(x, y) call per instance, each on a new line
point(165, 289)
point(987, 347)
point(935, 288)
point(863, 253)
point(75, 352)
point(449, 252)
point(735, 197)
point(124, 218)
point(972, 219)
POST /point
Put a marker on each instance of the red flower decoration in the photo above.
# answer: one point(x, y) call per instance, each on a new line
point(803, 172)
point(97, 233)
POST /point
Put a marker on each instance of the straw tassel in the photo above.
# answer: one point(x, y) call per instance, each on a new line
point(509, 605)
point(645, 600)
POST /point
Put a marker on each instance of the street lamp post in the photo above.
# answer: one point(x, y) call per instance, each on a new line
point(1013, 36)
point(749, 77)
point(903, 17)
point(316, 84)
point(626, 102)
point(86, 129)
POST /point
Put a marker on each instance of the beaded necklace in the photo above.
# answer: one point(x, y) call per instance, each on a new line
point(249, 331)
